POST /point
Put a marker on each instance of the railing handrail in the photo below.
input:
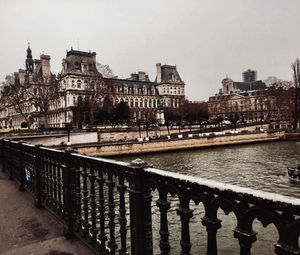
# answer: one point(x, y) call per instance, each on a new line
point(264, 195)
point(223, 187)
point(220, 186)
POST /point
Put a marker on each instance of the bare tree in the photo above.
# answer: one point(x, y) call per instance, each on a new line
point(16, 95)
point(296, 92)
point(105, 70)
point(278, 99)
point(43, 95)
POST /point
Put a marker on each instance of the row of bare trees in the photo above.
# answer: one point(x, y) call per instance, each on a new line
point(29, 99)
point(283, 98)
point(188, 113)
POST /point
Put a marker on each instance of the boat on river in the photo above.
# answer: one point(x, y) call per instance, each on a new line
point(294, 172)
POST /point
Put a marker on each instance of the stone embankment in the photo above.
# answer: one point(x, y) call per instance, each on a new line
point(136, 147)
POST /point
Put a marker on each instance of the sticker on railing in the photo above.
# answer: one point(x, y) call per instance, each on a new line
point(28, 175)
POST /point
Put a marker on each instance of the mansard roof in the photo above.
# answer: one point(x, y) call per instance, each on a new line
point(75, 58)
point(245, 86)
point(129, 83)
point(169, 74)
point(80, 53)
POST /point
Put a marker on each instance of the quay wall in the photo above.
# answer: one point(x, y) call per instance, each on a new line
point(116, 149)
point(106, 135)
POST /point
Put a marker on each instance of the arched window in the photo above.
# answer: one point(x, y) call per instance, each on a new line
point(92, 85)
point(77, 66)
point(79, 84)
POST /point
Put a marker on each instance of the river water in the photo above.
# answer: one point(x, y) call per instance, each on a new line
point(258, 166)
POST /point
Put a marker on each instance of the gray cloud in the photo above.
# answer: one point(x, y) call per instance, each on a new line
point(206, 39)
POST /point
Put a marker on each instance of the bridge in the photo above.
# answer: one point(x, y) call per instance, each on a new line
point(107, 204)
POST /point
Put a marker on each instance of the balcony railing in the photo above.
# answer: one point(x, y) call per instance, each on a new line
point(107, 204)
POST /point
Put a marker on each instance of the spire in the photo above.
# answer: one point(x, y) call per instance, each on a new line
point(29, 60)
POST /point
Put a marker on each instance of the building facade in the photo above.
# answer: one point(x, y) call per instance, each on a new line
point(250, 101)
point(80, 82)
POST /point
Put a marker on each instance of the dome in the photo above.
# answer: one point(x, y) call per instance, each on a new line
point(227, 80)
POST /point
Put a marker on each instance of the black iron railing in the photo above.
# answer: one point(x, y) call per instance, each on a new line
point(107, 204)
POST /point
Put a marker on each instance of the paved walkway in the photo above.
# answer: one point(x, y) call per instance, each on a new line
point(24, 229)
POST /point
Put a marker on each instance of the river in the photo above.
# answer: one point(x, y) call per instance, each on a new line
point(260, 166)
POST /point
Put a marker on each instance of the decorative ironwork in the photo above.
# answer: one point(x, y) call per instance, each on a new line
point(86, 193)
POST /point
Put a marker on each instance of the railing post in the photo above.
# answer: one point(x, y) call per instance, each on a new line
point(212, 226)
point(22, 170)
point(38, 182)
point(246, 239)
point(140, 211)
point(2, 154)
point(9, 160)
point(69, 193)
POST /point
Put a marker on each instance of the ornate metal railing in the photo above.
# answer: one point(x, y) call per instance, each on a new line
point(107, 204)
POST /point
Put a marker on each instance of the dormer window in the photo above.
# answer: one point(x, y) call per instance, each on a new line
point(77, 66)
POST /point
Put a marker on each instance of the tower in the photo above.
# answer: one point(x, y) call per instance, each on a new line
point(29, 60)
point(249, 76)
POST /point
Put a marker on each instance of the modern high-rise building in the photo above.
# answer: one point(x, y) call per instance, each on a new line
point(249, 76)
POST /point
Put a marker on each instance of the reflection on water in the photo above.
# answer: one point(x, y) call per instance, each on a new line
point(258, 166)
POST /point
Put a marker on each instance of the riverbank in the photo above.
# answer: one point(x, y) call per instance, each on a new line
point(135, 147)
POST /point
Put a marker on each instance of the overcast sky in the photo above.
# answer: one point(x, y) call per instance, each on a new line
point(206, 39)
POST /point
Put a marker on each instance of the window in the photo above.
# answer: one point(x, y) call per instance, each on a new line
point(145, 103)
point(77, 66)
point(79, 100)
point(141, 103)
point(79, 84)
point(136, 103)
point(74, 100)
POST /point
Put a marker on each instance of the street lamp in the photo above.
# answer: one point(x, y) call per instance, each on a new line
point(68, 127)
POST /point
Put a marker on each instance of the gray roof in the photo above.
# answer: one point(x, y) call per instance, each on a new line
point(75, 58)
point(244, 86)
point(169, 74)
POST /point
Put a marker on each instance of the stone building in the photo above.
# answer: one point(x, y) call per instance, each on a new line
point(244, 100)
point(250, 101)
point(28, 82)
point(80, 82)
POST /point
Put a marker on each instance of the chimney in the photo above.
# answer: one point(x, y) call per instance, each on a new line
point(94, 56)
point(64, 65)
point(158, 72)
point(37, 63)
point(45, 66)
point(22, 76)
point(142, 76)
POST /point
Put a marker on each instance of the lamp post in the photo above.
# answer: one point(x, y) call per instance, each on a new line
point(68, 127)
